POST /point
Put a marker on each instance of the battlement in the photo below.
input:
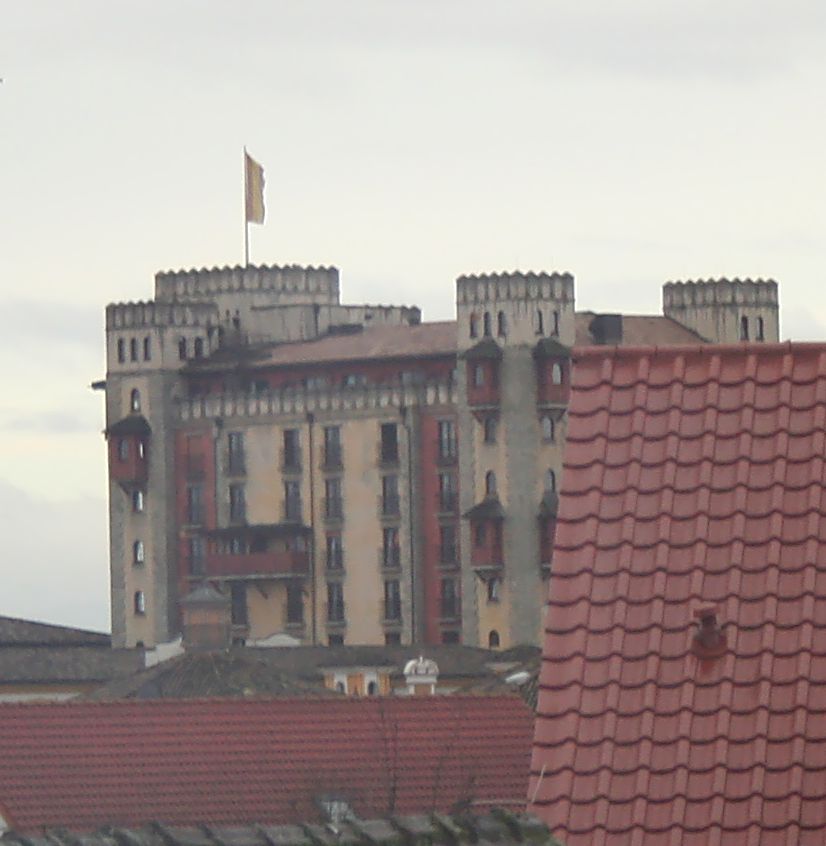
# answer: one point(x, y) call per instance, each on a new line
point(715, 292)
point(292, 283)
point(498, 287)
point(149, 314)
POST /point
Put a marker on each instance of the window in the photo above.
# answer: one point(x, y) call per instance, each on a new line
point(392, 600)
point(138, 552)
point(332, 446)
point(121, 350)
point(390, 496)
point(123, 449)
point(237, 504)
point(295, 603)
point(199, 348)
point(493, 639)
point(474, 326)
point(486, 325)
point(760, 330)
point(494, 586)
point(141, 450)
point(372, 689)
point(197, 556)
point(447, 492)
point(354, 380)
point(147, 348)
point(389, 443)
point(556, 373)
point(392, 639)
point(292, 450)
point(335, 602)
point(449, 598)
point(333, 509)
point(335, 552)
point(450, 637)
point(478, 375)
point(139, 603)
point(490, 483)
point(135, 400)
point(447, 544)
point(744, 328)
point(238, 604)
point(447, 440)
point(550, 481)
point(133, 349)
point(540, 322)
point(236, 461)
point(501, 324)
point(182, 352)
point(556, 323)
point(292, 500)
point(490, 430)
point(480, 535)
point(391, 551)
point(195, 504)
point(137, 501)
point(336, 640)
point(548, 429)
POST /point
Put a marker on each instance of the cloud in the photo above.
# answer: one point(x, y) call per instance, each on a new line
point(54, 559)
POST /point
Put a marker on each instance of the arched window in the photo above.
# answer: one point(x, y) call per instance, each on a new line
point(493, 639)
point(548, 429)
point(372, 689)
point(133, 349)
point(139, 555)
point(486, 325)
point(121, 350)
point(199, 348)
point(760, 330)
point(501, 324)
point(490, 483)
point(540, 322)
point(182, 349)
point(147, 348)
point(141, 449)
point(493, 589)
point(340, 687)
point(744, 328)
point(137, 501)
point(556, 373)
point(123, 449)
point(474, 326)
point(140, 602)
point(490, 430)
point(550, 481)
point(135, 400)
point(556, 323)
point(478, 376)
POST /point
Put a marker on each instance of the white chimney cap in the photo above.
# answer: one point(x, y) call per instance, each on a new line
point(421, 666)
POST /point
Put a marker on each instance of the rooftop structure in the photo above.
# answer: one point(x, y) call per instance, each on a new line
point(684, 667)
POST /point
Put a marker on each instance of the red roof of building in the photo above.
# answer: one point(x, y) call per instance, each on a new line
point(83, 765)
point(693, 479)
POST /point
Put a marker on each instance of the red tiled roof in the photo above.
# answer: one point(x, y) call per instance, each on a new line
point(83, 765)
point(693, 477)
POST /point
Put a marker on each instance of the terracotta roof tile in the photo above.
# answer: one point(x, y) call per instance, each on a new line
point(693, 479)
point(230, 762)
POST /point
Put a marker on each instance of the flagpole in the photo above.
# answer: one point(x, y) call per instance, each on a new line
point(246, 221)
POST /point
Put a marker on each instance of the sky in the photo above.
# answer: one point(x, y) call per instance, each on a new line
point(405, 143)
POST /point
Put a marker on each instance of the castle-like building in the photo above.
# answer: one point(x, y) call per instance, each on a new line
point(348, 473)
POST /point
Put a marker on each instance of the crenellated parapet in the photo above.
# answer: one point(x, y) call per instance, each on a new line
point(333, 401)
point(705, 292)
point(291, 283)
point(159, 315)
point(499, 287)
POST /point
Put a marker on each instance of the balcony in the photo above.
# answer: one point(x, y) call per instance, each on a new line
point(257, 565)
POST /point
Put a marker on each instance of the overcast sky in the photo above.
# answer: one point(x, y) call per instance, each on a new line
point(630, 143)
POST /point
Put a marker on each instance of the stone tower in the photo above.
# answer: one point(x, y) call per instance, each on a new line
point(726, 311)
point(514, 333)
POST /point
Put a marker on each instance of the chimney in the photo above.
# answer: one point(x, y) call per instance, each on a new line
point(206, 619)
point(606, 329)
point(421, 675)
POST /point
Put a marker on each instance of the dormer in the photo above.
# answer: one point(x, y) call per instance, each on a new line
point(552, 361)
point(486, 535)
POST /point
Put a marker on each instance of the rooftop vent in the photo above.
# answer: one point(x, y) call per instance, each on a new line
point(709, 637)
